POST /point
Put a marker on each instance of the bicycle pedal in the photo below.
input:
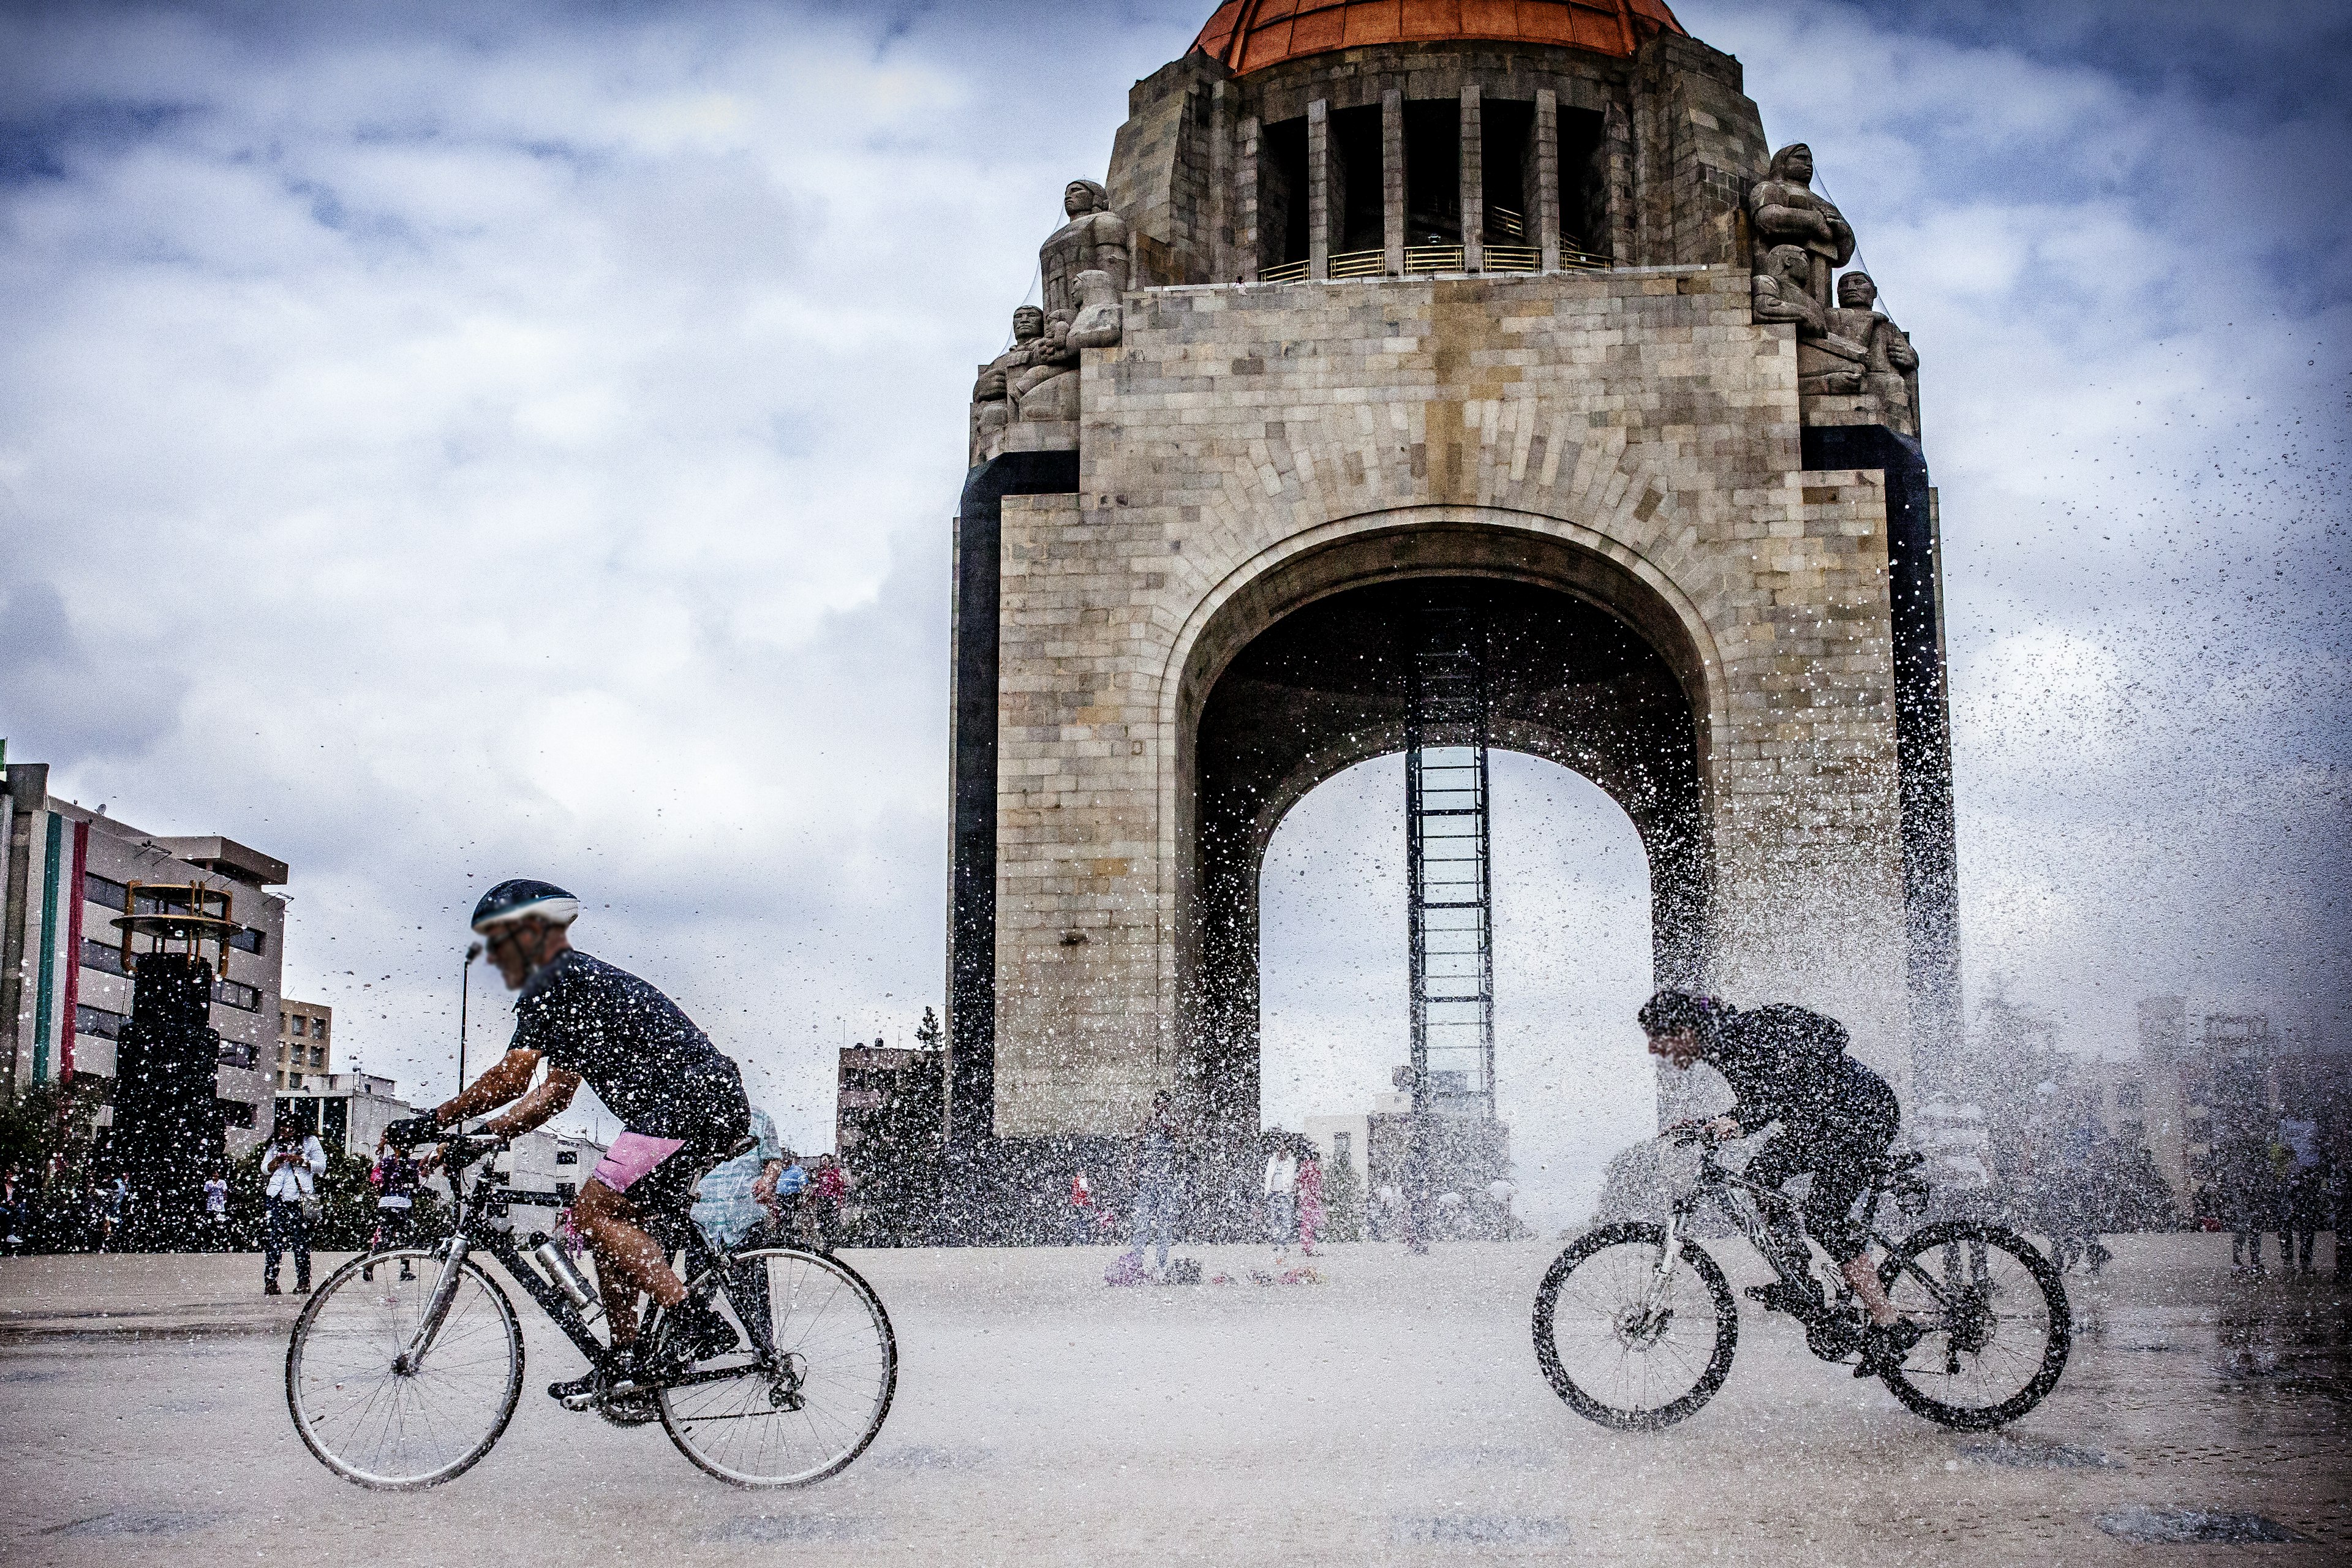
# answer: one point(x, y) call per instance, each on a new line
point(579, 1401)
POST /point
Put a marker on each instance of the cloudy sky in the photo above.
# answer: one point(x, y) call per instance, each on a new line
point(442, 442)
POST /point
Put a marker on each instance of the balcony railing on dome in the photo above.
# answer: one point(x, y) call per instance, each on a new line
point(1421, 260)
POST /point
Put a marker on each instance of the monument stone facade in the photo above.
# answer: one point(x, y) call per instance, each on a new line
point(1385, 303)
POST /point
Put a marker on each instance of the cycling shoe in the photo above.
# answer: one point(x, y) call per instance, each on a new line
point(1780, 1298)
point(1883, 1349)
point(698, 1333)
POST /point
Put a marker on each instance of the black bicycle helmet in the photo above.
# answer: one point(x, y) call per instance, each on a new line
point(1673, 1012)
point(512, 899)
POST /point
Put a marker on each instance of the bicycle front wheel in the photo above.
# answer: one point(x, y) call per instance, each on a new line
point(807, 1388)
point(1626, 1343)
point(369, 1415)
point(1997, 1326)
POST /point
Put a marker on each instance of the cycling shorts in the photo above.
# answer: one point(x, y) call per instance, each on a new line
point(657, 1174)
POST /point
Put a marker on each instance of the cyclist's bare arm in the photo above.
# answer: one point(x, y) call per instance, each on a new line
point(509, 1079)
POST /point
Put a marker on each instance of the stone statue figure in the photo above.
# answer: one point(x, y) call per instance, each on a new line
point(1827, 362)
point(992, 407)
point(1099, 320)
point(1046, 387)
point(1093, 240)
point(1890, 365)
point(1783, 210)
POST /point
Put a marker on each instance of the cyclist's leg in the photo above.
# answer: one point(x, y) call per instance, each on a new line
point(1788, 1157)
point(607, 1213)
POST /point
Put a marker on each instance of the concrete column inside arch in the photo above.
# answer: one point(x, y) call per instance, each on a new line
point(1392, 181)
point(1474, 183)
point(1320, 189)
point(1547, 160)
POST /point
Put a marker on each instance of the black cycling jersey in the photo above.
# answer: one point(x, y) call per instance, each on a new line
point(644, 1057)
point(1788, 1065)
point(1836, 1116)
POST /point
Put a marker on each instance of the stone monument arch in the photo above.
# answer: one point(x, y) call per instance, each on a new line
point(1515, 309)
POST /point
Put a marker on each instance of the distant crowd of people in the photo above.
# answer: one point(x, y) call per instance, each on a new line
point(2277, 1181)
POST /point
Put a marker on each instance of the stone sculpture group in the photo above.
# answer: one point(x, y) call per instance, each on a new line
point(1854, 363)
point(1027, 398)
point(1849, 350)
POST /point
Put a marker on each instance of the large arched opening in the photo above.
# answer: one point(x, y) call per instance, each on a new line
point(1300, 674)
point(1572, 964)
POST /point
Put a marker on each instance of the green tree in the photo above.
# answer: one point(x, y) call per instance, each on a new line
point(47, 1121)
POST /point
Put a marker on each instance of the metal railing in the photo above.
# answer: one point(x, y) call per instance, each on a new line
point(1421, 260)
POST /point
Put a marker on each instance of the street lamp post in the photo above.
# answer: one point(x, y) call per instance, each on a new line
point(465, 995)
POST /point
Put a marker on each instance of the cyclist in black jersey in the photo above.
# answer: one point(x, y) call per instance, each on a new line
point(1789, 1066)
point(680, 1102)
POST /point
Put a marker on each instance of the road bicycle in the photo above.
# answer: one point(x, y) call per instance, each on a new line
point(399, 1384)
point(1635, 1324)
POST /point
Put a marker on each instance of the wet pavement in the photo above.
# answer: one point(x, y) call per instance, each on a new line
point(1392, 1414)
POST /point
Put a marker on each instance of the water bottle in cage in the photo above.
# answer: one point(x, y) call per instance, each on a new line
point(562, 1273)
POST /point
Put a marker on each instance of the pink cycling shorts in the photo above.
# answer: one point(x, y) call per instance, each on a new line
point(630, 1157)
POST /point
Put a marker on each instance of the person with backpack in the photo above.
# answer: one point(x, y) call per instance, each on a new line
point(1837, 1119)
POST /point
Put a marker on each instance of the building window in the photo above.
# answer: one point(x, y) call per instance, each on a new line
point(237, 995)
point(318, 1055)
point(236, 1113)
point(567, 1191)
point(245, 939)
point(98, 1022)
point(103, 956)
point(105, 890)
point(301, 1025)
point(567, 1156)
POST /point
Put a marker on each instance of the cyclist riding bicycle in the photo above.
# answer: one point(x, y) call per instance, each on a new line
point(1837, 1120)
point(679, 1101)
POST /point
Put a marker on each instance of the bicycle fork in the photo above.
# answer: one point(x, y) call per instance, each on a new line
point(411, 1359)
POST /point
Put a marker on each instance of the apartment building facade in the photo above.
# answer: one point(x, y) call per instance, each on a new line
point(69, 873)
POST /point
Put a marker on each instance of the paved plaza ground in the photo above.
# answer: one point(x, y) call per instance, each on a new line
point(1393, 1414)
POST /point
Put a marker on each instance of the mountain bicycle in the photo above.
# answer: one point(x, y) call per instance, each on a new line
point(402, 1384)
point(1635, 1324)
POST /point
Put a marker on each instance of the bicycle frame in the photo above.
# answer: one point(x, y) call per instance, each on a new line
point(1713, 1190)
point(475, 1230)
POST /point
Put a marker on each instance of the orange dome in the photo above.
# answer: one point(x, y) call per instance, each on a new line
point(1250, 35)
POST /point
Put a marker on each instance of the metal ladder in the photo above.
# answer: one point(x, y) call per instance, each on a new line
point(1450, 895)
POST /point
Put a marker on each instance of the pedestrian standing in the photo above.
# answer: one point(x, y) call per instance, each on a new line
point(290, 1169)
point(1281, 1189)
point(2302, 1197)
point(1156, 1181)
point(791, 1185)
point(397, 1181)
point(114, 1201)
point(828, 1190)
point(14, 1220)
point(1082, 1209)
point(1310, 1198)
point(217, 1212)
point(2250, 1196)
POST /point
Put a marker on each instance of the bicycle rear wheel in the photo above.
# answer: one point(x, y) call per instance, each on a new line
point(366, 1418)
point(1997, 1326)
point(809, 1387)
point(1624, 1348)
